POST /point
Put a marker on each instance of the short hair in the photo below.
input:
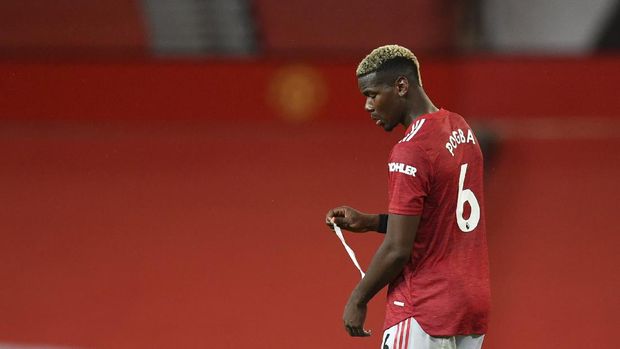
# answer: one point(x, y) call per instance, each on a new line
point(389, 57)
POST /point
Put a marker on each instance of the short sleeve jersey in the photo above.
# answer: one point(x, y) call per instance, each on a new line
point(436, 172)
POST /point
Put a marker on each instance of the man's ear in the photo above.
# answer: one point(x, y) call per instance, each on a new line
point(402, 85)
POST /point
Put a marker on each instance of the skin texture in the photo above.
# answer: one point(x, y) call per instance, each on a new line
point(351, 219)
point(392, 103)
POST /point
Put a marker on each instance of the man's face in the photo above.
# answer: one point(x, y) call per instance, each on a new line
point(382, 101)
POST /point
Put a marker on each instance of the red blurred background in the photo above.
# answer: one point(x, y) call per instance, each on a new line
point(178, 202)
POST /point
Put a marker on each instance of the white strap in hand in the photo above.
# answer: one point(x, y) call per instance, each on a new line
point(349, 249)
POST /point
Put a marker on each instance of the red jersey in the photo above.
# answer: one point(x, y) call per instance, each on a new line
point(436, 172)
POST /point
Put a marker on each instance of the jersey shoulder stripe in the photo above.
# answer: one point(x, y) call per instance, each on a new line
point(416, 127)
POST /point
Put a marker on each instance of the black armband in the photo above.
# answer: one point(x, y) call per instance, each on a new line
point(382, 228)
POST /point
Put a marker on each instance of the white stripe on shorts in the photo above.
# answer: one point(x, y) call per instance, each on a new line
point(408, 334)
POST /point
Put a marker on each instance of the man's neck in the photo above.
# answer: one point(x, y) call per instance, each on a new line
point(419, 106)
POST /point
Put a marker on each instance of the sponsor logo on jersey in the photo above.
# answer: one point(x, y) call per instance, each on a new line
point(402, 168)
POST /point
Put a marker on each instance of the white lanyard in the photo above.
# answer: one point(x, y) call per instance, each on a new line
point(348, 249)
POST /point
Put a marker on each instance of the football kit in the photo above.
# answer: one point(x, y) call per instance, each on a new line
point(436, 172)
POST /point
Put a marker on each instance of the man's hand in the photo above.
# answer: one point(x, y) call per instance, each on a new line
point(354, 317)
point(351, 219)
point(387, 263)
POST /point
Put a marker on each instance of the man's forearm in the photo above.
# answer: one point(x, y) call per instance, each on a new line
point(390, 258)
point(376, 222)
point(386, 264)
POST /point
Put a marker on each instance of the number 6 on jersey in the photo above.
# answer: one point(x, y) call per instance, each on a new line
point(469, 224)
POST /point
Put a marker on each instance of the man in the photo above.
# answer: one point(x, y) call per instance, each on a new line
point(434, 254)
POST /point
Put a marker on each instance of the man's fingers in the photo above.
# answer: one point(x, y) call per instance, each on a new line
point(357, 331)
point(360, 332)
point(342, 222)
point(336, 212)
point(329, 223)
point(332, 214)
point(352, 331)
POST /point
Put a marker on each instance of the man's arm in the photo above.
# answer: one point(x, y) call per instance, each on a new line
point(356, 221)
point(387, 263)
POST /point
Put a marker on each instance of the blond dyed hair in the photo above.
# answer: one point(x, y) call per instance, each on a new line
point(383, 54)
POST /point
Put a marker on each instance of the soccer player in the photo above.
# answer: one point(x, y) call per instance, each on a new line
point(434, 254)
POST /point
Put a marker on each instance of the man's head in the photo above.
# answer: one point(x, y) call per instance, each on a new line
point(387, 76)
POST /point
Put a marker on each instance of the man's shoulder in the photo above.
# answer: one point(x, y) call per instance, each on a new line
point(432, 135)
point(413, 130)
point(409, 151)
point(429, 128)
point(422, 136)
